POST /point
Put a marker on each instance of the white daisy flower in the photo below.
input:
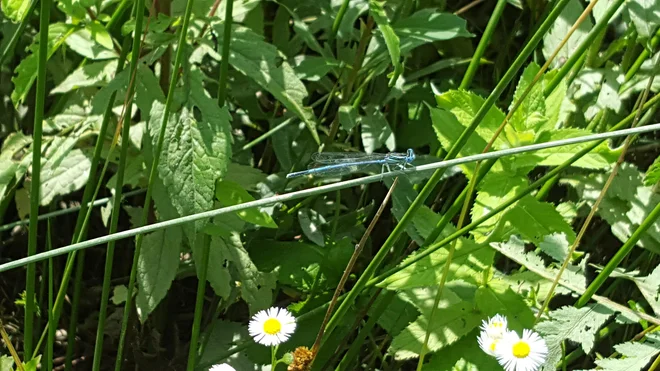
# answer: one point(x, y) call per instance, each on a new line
point(521, 354)
point(272, 326)
point(222, 367)
point(495, 327)
point(487, 344)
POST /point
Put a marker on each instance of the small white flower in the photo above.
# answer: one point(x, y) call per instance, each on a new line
point(272, 326)
point(521, 354)
point(222, 367)
point(487, 343)
point(495, 327)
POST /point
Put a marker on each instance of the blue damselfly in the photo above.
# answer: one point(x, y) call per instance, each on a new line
point(339, 163)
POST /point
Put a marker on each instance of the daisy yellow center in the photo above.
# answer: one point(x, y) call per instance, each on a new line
point(521, 349)
point(493, 345)
point(272, 326)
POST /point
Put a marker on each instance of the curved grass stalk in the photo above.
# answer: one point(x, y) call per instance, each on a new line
point(483, 44)
point(152, 175)
point(328, 188)
point(35, 187)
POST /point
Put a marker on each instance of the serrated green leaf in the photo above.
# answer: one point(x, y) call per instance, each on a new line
point(15, 10)
point(26, 72)
point(256, 287)
point(246, 176)
point(348, 117)
point(157, 267)
point(556, 246)
point(514, 249)
point(196, 150)
point(649, 286)
point(560, 29)
point(391, 39)
point(453, 319)
point(310, 223)
point(223, 335)
point(626, 204)
point(305, 264)
point(312, 68)
point(262, 62)
point(424, 26)
point(6, 363)
point(636, 355)
point(499, 298)
point(230, 193)
point(468, 263)
point(496, 188)
point(376, 131)
point(65, 175)
point(599, 158)
point(91, 74)
point(577, 325)
point(645, 15)
point(147, 91)
point(530, 114)
point(652, 175)
point(463, 355)
point(535, 220)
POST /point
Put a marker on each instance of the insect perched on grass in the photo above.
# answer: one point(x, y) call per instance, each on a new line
point(339, 163)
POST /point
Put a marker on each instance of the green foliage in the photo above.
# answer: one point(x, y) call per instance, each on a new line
point(341, 76)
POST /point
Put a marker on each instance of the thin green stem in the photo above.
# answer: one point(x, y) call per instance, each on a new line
point(205, 241)
point(337, 22)
point(18, 33)
point(582, 48)
point(655, 40)
point(51, 324)
point(324, 189)
point(35, 186)
point(224, 66)
point(152, 174)
point(483, 44)
point(614, 262)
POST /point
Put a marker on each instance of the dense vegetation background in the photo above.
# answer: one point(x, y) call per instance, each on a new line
point(168, 109)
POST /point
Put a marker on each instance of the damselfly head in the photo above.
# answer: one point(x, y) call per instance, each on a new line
point(410, 155)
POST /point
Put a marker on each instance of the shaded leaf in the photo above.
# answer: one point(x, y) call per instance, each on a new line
point(91, 74)
point(636, 355)
point(26, 72)
point(645, 15)
point(262, 62)
point(560, 29)
point(310, 222)
point(569, 323)
point(157, 267)
point(391, 39)
point(230, 193)
point(376, 131)
point(535, 220)
point(93, 42)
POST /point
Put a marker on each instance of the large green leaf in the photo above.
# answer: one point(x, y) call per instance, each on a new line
point(157, 267)
point(453, 319)
point(645, 15)
point(468, 263)
point(535, 220)
point(256, 287)
point(230, 193)
point(15, 9)
point(376, 131)
point(560, 29)
point(262, 62)
point(530, 114)
point(93, 42)
point(424, 26)
point(26, 71)
point(196, 150)
point(147, 91)
point(626, 204)
point(305, 265)
point(499, 298)
point(391, 39)
point(91, 74)
point(577, 325)
point(635, 355)
point(63, 175)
